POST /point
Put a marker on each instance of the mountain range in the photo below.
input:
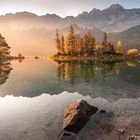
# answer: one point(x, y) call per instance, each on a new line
point(21, 27)
point(112, 19)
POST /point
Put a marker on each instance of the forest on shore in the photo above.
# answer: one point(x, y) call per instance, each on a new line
point(86, 45)
point(75, 45)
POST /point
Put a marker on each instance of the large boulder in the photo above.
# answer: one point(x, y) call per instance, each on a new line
point(76, 114)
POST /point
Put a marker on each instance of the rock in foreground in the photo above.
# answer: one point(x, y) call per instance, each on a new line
point(76, 114)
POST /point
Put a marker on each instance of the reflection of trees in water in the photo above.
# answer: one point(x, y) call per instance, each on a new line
point(20, 60)
point(132, 63)
point(5, 69)
point(131, 72)
point(86, 71)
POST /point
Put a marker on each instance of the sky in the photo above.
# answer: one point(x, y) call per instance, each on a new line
point(61, 7)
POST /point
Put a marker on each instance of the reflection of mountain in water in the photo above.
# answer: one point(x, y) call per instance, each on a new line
point(5, 69)
point(76, 72)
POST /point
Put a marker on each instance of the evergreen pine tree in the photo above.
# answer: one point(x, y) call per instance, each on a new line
point(71, 41)
point(62, 45)
point(79, 45)
point(92, 43)
point(58, 42)
point(89, 43)
point(4, 48)
point(107, 47)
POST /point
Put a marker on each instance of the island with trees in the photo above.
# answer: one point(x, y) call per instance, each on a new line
point(85, 47)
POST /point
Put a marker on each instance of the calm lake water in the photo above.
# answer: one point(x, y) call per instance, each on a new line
point(34, 94)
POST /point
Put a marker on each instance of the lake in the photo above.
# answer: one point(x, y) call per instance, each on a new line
point(34, 94)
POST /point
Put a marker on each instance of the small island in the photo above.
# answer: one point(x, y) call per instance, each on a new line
point(74, 46)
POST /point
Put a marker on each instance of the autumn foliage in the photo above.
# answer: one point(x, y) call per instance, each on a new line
point(73, 44)
point(132, 52)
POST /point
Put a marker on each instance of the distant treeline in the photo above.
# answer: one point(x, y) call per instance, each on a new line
point(74, 44)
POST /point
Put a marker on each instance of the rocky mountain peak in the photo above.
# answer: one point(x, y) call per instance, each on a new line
point(116, 7)
point(94, 10)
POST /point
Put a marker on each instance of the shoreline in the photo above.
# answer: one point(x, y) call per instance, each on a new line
point(10, 58)
point(103, 58)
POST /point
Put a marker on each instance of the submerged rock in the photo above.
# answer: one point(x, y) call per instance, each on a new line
point(121, 131)
point(102, 111)
point(134, 137)
point(76, 115)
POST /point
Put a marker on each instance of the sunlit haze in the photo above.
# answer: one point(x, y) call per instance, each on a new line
point(31, 35)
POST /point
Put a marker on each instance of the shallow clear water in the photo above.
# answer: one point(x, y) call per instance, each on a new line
point(33, 98)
